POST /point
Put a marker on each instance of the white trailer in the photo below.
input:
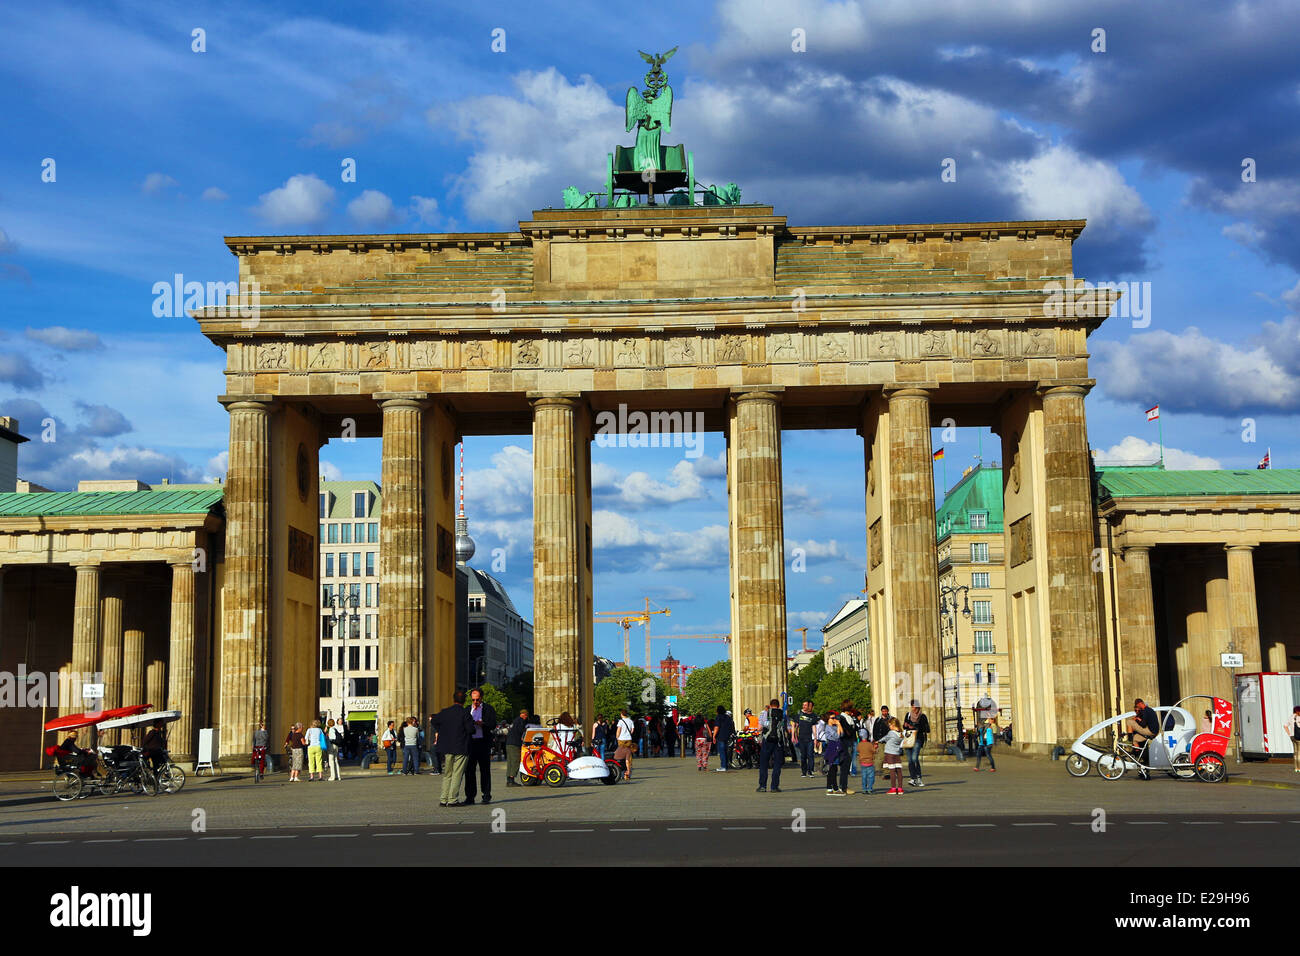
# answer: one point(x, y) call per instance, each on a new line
point(1264, 703)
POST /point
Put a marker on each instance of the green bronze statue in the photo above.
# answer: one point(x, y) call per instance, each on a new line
point(650, 111)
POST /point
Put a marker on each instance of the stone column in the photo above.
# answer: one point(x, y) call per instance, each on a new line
point(245, 641)
point(110, 610)
point(85, 640)
point(1243, 611)
point(180, 662)
point(759, 644)
point(558, 558)
point(913, 569)
point(1139, 669)
point(1072, 596)
point(401, 558)
point(133, 686)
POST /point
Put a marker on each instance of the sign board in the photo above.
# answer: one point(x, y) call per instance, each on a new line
point(92, 691)
point(1232, 660)
point(207, 749)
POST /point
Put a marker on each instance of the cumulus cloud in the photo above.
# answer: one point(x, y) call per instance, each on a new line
point(155, 184)
point(304, 199)
point(1132, 450)
point(213, 194)
point(813, 620)
point(330, 471)
point(101, 421)
point(218, 465)
point(372, 208)
point(504, 489)
point(61, 337)
point(425, 210)
point(622, 544)
point(19, 372)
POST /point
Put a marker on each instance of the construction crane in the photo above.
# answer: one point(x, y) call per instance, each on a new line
point(626, 619)
point(804, 632)
point(713, 638)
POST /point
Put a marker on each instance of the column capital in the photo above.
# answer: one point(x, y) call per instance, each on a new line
point(564, 399)
point(1139, 548)
point(1240, 547)
point(87, 566)
point(402, 399)
point(182, 563)
point(1074, 386)
point(249, 403)
point(924, 390)
point(759, 393)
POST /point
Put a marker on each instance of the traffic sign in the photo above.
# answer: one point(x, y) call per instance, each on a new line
point(92, 691)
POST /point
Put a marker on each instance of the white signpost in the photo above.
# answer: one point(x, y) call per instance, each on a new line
point(92, 691)
point(1232, 660)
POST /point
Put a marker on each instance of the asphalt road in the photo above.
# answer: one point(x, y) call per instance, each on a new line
point(1158, 840)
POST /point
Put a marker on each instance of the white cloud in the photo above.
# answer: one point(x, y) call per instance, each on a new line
point(813, 619)
point(829, 550)
point(218, 465)
point(1060, 183)
point(1132, 450)
point(156, 184)
point(213, 194)
point(330, 471)
point(639, 489)
point(425, 210)
point(372, 208)
point(304, 199)
point(504, 489)
point(61, 337)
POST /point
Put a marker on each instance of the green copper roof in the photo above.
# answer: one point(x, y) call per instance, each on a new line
point(979, 490)
point(341, 504)
point(1152, 482)
point(186, 501)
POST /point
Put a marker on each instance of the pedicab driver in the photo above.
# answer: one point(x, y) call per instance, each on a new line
point(1144, 726)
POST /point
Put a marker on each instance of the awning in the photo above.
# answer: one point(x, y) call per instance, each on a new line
point(360, 715)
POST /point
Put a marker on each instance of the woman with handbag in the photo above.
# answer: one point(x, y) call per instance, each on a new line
point(389, 743)
point(294, 744)
point(893, 765)
point(831, 748)
point(703, 740)
point(919, 725)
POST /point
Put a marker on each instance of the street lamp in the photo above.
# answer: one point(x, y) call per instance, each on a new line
point(948, 604)
point(337, 606)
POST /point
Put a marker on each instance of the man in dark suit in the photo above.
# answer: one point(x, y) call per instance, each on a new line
point(480, 746)
point(454, 726)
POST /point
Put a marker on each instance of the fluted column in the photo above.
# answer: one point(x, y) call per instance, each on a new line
point(245, 639)
point(110, 610)
point(180, 662)
point(759, 644)
point(1072, 597)
point(85, 640)
point(558, 555)
point(913, 568)
point(1139, 669)
point(133, 685)
point(401, 558)
point(1243, 611)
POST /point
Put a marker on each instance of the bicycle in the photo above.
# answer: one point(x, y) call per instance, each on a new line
point(259, 764)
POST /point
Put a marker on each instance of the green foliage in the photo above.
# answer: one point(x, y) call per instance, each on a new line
point(803, 685)
point(520, 691)
point(706, 688)
point(630, 687)
point(839, 686)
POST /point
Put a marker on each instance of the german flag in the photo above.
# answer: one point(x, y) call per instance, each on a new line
point(937, 455)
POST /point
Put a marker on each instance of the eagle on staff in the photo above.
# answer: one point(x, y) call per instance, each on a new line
point(650, 110)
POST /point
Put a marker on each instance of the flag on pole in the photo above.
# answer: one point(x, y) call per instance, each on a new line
point(1153, 413)
point(1266, 461)
point(937, 455)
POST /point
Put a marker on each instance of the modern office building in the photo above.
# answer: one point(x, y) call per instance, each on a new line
point(972, 577)
point(845, 640)
point(349, 606)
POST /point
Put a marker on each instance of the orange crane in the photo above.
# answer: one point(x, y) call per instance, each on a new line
point(713, 638)
point(626, 619)
point(803, 631)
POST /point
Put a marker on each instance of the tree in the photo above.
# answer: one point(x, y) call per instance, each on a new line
point(839, 686)
point(803, 685)
point(520, 691)
point(706, 688)
point(630, 687)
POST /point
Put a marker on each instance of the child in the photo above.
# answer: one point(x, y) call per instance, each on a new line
point(831, 750)
point(867, 764)
point(894, 756)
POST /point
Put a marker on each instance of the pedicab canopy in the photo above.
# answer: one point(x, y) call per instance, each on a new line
point(77, 721)
point(135, 720)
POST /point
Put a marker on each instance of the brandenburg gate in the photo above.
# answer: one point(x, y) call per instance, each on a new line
point(725, 310)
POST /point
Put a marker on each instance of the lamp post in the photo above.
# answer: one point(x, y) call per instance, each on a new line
point(337, 606)
point(948, 604)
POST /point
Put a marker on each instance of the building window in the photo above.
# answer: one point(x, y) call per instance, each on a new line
point(983, 612)
point(373, 537)
point(354, 593)
point(370, 563)
point(333, 533)
point(359, 533)
point(370, 658)
point(329, 565)
point(978, 673)
point(343, 564)
point(370, 624)
point(993, 681)
point(984, 642)
point(366, 686)
point(356, 564)
point(359, 504)
point(978, 520)
point(324, 628)
point(354, 658)
point(345, 534)
point(979, 552)
point(370, 595)
point(326, 687)
point(327, 658)
point(324, 505)
point(321, 539)
point(980, 580)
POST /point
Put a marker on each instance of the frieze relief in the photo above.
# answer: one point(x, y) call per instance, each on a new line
point(682, 351)
point(731, 349)
point(528, 353)
point(782, 347)
point(934, 343)
point(628, 352)
point(577, 353)
point(425, 354)
point(875, 547)
point(1022, 541)
point(475, 354)
point(274, 355)
point(834, 347)
point(376, 355)
point(1037, 342)
point(985, 345)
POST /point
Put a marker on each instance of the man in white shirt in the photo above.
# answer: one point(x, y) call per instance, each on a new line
point(623, 733)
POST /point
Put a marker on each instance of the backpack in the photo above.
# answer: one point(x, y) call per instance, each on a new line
point(775, 724)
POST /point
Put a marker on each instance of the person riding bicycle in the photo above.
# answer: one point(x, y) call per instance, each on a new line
point(1143, 726)
point(86, 761)
point(154, 748)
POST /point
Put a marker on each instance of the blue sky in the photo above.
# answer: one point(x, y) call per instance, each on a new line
point(160, 151)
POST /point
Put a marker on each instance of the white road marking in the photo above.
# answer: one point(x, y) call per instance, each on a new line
point(968, 825)
point(159, 839)
point(451, 833)
point(122, 840)
point(221, 838)
point(518, 831)
point(293, 836)
point(1248, 822)
point(920, 826)
point(1033, 824)
point(342, 836)
point(629, 829)
point(571, 831)
point(670, 829)
point(48, 842)
point(377, 835)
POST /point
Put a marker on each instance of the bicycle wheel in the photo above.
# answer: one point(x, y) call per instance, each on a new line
point(1210, 767)
point(67, 786)
point(1110, 766)
point(171, 778)
point(147, 782)
point(1078, 765)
